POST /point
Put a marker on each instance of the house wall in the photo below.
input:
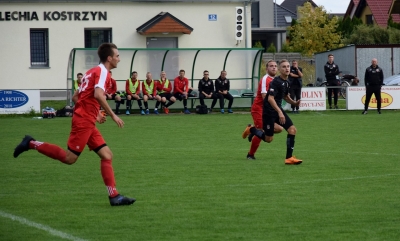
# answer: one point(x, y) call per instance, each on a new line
point(122, 17)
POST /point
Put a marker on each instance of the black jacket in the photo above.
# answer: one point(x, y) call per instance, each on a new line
point(295, 81)
point(206, 85)
point(221, 85)
point(373, 76)
point(331, 71)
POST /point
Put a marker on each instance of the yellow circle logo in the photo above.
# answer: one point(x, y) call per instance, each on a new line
point(386, 100)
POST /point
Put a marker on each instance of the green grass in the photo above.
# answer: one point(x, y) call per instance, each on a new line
point(192, 181)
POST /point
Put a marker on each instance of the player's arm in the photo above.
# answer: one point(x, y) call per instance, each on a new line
point(177, 87)
point(75, 97)
point(290, 101)
point(264, 87)
point(99, 95)
point(300, 72)
point(127, 90)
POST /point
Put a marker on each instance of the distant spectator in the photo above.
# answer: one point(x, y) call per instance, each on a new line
point(222, 86)
point(132, 88)
point(296, 82)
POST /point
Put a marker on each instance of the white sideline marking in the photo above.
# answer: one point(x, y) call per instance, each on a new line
point(40, 226)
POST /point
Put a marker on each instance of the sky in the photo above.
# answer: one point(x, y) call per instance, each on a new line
point(331, 6)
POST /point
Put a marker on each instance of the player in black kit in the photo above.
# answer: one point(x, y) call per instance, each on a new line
point(273, 113)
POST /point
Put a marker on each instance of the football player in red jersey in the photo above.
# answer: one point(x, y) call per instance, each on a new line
point(88, 100)
point(257, 108)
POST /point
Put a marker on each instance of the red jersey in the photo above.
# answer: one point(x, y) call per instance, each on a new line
point(263, 86)
point(111, 87)
point(163, 87)
point(127, 87)
point(181, 85)
point(149, 91)
point(87, 106)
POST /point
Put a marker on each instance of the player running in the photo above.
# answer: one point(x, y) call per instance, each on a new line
point(257, 109)
point(88, 100)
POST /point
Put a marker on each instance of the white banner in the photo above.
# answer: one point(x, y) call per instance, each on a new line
point(312, 98)
point(390, 98)
point(19, 101)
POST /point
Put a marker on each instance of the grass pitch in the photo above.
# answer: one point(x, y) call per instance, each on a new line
point(192, 181)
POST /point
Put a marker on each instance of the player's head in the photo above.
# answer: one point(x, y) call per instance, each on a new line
point(108, 53)
point(284, 68)
point(163, 75)
point(181, 73)
point(374, 62)
point(134, 75)
point(223, 74)
point(271, 67)
point(330, 58)
point(206, 74)
point(79, 76)
point(148, 76)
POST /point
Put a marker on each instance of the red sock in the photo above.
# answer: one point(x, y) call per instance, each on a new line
point(255, 143)
point(107, 173)
point(49, 150)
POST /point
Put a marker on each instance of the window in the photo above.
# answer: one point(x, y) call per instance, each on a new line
point(369, 19)
point(288, 19)
point(39, 47)
point(255, 14)
point(95, 37)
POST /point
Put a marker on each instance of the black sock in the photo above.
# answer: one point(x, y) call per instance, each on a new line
point(146, 105)
point(157, 104)
point(260, 134)
point(290, 145)
point(117, 103)
point(128, 104)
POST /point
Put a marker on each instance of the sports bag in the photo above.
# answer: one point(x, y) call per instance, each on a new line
point(201, 109)
point(66, 111)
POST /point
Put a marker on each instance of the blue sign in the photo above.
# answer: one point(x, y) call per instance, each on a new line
point(212, 17)
point(12, 99)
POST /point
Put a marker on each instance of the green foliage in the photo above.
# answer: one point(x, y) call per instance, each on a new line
point(392, 24)
point(258, 44)
point(271, 48)
point(346, 26)
point(308, 72)
point(373, 34)
point(285, 48)
point(190, 186)
point(315, 31)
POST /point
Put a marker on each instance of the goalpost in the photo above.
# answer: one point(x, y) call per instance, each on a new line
point(242, 66)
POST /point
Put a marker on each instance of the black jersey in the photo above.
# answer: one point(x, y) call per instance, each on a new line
point(279, 89)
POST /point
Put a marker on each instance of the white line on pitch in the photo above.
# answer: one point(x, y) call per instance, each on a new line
point(40, 226)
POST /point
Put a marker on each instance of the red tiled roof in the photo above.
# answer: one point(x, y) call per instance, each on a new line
point(380, 9)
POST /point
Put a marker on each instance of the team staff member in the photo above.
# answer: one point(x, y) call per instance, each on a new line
point(222, 86)
point(331, 74)
point(164, 88)
point(274, 114)
point(78, 81)
point(88, 100)
point(373, 83)
point(181, 89)
point(132, 89)
point(206, 90)
point(149, 88)
point(296, 73)
point(257, 109)
point(111, 93)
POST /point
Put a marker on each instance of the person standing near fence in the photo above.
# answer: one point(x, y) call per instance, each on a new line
point(296, 73)
point(373, 83)
point(332, 77)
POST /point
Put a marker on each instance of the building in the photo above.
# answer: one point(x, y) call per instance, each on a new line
point(373, 11)
point(37, 35)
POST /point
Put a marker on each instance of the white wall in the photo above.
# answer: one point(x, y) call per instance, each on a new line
point(123, 18)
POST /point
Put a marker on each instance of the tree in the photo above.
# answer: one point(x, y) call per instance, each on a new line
point(392, 24)
point(271, 48)
point(315, 31)
point(258, 44)
point(373, 34)
point(346, 25)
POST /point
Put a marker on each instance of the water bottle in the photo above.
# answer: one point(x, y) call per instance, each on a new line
point(37, 118)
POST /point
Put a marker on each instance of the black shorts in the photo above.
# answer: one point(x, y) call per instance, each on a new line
point(179, 96)
point(166, 95)
point(112, 97)
point(269, 120)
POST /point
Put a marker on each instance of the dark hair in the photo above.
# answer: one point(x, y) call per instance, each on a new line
point(329, 55)
point(223, 71)
point(79, 74)
point(133, 72)
point(105, 50)
point(205, 71)
point(182, 71)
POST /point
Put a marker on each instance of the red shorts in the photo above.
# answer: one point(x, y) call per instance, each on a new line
point(256, 113)
point(83, 133)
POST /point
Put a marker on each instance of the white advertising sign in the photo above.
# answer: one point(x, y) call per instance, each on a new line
point(19, 101)
point(390, 98)
point(312, 98)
